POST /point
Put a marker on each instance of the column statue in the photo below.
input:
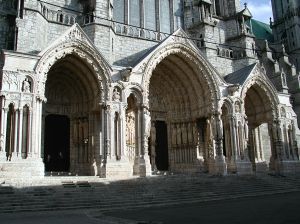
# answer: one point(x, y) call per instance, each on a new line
point(178, 135)
point(173, 130)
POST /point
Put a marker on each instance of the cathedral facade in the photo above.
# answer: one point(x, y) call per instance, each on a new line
point(117, 88)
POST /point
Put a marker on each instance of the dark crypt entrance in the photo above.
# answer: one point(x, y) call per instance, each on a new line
point(57, 143)
point(161, 148)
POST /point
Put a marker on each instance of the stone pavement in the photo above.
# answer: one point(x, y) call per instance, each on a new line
point(275, 209)
point(61, 217)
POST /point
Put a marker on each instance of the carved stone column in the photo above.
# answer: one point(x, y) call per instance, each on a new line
point(123, 132)
point(20, 131)
point(220, 166)
point(38, 129)
point(3, 133)
point(146, 127)
point(277, 152)
point(233, 135)
point(142, 166)
point(30, 134)
point(243, 164)
point(15, 150)
point(283, 165)
point(294, 140)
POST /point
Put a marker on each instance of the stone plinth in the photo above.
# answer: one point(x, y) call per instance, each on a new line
point(261, 167)
point(141, 167)
point(290, 167)
point(244, 167)
point(22, 168)
point(116, 169)
point(217, 166)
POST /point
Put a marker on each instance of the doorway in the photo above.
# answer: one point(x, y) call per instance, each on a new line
point(57, 143)
point(161, 149)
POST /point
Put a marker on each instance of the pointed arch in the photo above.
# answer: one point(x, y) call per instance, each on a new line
point(262, 87)
point(183, 56)
point(84, 52)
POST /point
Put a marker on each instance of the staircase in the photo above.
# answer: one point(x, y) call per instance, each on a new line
point(62, 193)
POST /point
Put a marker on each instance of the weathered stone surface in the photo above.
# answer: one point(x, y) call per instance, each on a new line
point(127, 97)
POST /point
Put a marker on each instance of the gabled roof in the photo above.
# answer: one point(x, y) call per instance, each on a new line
point(245, 12)
point(179, 33)
point(75, 33)
point(240, 76)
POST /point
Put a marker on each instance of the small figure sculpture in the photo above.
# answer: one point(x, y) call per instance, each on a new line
point(94, 165)
point(26, 87)
point(116, 95)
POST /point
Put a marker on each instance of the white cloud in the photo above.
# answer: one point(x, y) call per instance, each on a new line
point(261, 11)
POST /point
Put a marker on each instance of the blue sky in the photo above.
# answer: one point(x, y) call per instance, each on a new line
point(260, 9)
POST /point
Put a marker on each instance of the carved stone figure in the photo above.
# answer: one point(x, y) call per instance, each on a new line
point(26, 86)
point(237, 107)
point(130, 128)
point(178, 135)
point(95, 168)
point(116, 95)
point(173, 135)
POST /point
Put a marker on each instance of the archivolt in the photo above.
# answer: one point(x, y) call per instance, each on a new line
point(183, 58)
point(92, 59)
point(268, 90)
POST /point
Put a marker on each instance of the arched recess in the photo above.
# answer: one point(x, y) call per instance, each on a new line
point(133, 125)
point(73, 80)
point(181, 91)
point(260, 103)
point(228, 141)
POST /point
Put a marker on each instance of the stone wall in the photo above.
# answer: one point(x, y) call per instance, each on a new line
point(125, 53)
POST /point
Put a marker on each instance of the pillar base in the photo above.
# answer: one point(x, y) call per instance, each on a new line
point(20, 169)
point(231, 165)
point(116, 169)
point(2, 156)
point(289, 167)
point(217, 166)
point(244, 167)
point(261, 167)
point(142, 167)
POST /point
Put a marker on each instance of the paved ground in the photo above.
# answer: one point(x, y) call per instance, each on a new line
point(275, 209)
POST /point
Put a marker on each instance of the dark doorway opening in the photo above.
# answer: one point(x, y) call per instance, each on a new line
point(57, 143)
point(161, 149)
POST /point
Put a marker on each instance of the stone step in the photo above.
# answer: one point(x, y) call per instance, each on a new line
point(41, 196)
point(132, 204)
point(105, 194)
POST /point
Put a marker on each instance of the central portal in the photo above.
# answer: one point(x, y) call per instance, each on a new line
point(161, 149)
point(57, 143)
